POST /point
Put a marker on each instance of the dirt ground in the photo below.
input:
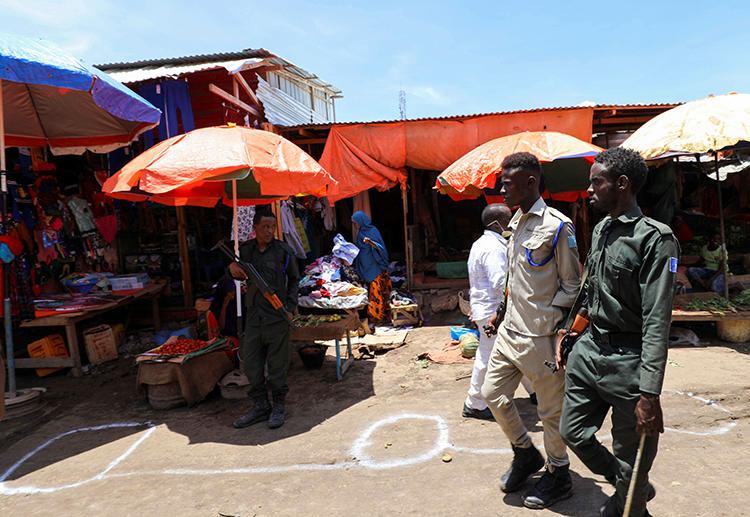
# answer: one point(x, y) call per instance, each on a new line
point(371, 444)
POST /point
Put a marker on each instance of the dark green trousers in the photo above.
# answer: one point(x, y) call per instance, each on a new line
point(598, 378)
point(266, 345)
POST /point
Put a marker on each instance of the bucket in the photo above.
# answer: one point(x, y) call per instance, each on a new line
point(312, 356)
point(734, 331)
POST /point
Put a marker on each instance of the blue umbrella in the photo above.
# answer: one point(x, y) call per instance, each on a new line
point(48, 97)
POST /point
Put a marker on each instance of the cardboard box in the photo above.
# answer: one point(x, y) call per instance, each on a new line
point(50, 346)
point(128, 282)
point(101, 345)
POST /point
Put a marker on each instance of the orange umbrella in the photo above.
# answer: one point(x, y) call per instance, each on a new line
point(194, 168)
point(565, 161)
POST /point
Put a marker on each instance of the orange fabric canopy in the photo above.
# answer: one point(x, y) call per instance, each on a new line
point(362, 156)
point(194, 165)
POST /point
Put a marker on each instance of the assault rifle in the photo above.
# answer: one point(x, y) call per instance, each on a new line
point(257, 280)
point(568, 340)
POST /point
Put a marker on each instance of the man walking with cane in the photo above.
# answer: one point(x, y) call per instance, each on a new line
point(619, 362)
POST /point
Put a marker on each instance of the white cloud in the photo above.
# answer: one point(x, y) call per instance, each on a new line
point(427, 94)
point(586, 104)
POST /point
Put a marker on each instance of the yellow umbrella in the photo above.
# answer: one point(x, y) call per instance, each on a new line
point(697, 127)
point(700, 126)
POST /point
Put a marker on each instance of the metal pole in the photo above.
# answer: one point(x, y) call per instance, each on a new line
point(724, 267)
point(236, 237)
point(9, 352)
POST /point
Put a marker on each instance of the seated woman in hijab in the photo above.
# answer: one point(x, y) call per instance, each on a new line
point(372, 266)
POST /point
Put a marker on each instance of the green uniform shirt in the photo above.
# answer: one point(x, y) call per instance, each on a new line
point(632, 267)
point(278, 267)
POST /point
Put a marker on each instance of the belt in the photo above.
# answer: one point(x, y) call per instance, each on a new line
point(618, 341)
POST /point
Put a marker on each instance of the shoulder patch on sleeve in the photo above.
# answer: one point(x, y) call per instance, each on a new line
point(672, 264)
point(572, 241)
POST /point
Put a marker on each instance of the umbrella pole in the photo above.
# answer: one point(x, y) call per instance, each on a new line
point(9, 352)
point(721, 225)
point(236, 237)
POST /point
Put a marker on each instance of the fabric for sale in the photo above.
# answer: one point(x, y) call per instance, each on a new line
point(344, 250)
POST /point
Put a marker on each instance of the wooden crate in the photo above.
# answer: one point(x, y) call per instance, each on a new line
point(405, 315)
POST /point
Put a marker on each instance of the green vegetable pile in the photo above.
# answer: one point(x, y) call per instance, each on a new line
point(720, 305)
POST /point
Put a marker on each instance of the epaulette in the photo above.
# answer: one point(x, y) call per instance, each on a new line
point(559, 215)
point(660, 227)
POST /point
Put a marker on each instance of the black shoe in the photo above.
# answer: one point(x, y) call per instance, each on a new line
point(533, 400)
point(278, 414)
point(610, 509)
point(551, 487)
point(525, 463)
point(650, 494)
point(259, 413)
point(481, 414)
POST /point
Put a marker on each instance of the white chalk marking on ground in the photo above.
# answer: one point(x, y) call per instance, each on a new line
point(5, 490)
point(361, 443)
point(357, 451)
point(709, 402)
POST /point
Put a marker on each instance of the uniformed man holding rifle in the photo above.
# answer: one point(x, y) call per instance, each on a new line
point(269, 310)
point(619, 361)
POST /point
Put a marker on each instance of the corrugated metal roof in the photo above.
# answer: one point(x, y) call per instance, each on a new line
point(147, 73)
point(215, 60)
point(476, 115)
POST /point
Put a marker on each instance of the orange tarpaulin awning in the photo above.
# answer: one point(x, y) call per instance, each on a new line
point(362, 156)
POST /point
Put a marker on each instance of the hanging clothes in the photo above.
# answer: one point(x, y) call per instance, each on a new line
point(245, 216)
point(170, 97)
point(289, 229)
point(329, 214)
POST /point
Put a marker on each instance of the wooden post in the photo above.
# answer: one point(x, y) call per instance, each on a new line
point(407, 244)
point(276, 210)
point(724, 267)
point(187, 283)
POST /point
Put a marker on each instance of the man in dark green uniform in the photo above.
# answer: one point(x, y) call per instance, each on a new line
point(266, 337)
point(619, 362)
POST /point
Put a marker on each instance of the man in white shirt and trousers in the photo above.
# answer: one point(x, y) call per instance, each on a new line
point(488, 264)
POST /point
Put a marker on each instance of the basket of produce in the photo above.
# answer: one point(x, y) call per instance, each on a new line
point(311, 327)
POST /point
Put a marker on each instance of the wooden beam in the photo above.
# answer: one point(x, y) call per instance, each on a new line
point(306, 133)
point(187, 283)
point(623, 120)
point(247, 88)
point(299, 141)
point(232, 99)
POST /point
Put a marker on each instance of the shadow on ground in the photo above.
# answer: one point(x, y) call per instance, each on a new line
point(110, 397)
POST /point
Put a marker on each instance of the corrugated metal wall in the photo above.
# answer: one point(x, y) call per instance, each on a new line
point(284, 109)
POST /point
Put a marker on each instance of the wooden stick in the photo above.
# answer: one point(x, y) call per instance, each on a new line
point(231, 98)
point(634, 477)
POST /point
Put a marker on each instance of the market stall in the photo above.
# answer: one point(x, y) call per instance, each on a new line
point(183, 370)
point(326, 328)
point(70, 310)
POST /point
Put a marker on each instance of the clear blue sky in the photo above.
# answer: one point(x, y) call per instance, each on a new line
point(450, 57)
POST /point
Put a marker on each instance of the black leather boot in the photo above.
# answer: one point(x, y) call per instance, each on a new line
point(278, 413)
point(259, 413)
point(525, 463)
point(553, 486)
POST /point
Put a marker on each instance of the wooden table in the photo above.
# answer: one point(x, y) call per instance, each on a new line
point(327, 331)
point(69, 320)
